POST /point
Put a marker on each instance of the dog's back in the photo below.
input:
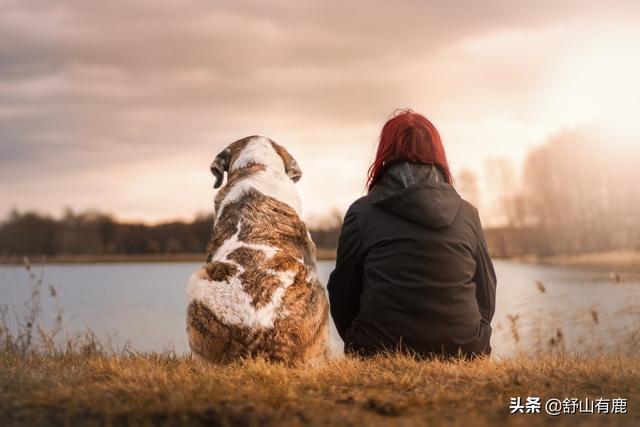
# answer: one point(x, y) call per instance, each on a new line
point(256, 295)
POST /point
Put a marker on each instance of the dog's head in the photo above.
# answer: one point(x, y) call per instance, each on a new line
point(254, 150)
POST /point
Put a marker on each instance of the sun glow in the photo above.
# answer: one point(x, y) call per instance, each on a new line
point(599, 83)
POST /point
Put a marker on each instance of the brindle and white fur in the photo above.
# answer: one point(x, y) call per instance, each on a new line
point(258, 294)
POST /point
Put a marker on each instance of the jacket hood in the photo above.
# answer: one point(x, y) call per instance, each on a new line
point(418, 193)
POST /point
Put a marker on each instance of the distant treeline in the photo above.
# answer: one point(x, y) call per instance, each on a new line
point(578, 192)
point(94, 233)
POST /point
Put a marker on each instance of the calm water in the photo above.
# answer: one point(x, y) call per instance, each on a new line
point(538, 308)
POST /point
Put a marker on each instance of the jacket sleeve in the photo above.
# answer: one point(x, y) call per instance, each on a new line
point(484, 277)
point(345, 282)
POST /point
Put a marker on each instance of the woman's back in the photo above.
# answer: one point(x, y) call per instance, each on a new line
point(412, 268)
point(416, 249)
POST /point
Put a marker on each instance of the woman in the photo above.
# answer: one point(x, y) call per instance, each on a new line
point(412, 269)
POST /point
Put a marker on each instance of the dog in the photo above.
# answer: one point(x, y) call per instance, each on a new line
point(258, 294)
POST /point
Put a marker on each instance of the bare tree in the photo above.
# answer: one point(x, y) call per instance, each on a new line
point(580, 191)
point(504, 184)
point(467, 184)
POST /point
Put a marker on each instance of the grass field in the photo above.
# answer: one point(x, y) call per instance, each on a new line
point(81, 382)
point(155, 389)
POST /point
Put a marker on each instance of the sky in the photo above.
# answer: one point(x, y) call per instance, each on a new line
point(121, 106)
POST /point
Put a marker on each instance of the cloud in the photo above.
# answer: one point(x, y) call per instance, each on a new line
point(99, 96)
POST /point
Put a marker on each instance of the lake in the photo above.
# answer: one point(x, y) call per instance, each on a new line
point(538, 308)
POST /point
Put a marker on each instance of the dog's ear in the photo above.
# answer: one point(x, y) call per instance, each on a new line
point(220, 165)
point(291, 167)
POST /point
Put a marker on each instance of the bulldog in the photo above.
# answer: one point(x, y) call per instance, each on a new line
point(258, 293)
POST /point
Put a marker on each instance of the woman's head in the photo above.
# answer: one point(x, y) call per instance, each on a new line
point(408, 136)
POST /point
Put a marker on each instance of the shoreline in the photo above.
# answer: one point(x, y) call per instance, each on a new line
point(322, 255)
point(614, 260)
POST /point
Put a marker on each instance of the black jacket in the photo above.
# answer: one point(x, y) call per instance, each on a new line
point(412, 269)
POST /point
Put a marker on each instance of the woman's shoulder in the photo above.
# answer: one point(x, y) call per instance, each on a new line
point(469, 214)
point(467, 208)
point(360, 202)
point(357, 212)
point(359, 206)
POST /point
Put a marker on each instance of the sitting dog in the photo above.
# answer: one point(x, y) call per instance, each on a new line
point(258, 294)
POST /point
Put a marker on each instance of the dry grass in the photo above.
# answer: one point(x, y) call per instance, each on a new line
point(168, 390)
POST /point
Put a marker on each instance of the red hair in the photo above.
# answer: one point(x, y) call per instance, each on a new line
point(408, 136)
